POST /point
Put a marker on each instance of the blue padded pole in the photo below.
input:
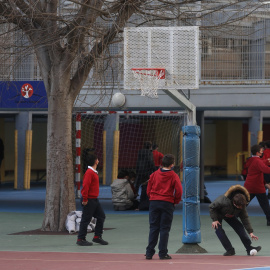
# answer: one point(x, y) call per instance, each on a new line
point(191, 185)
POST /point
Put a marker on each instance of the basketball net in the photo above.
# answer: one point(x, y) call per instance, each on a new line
point(149, 80)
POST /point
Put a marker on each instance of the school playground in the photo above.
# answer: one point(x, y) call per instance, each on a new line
point(25, 247)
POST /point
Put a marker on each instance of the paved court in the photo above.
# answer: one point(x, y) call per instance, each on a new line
point(127, 232)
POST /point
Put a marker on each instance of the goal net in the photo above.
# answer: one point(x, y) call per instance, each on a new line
point(98, 136)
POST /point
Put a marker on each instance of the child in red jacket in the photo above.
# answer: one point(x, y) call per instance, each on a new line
point(164, 191)
point(266, 155)
point(91, 205)
point(255, 183)
point(157, 156)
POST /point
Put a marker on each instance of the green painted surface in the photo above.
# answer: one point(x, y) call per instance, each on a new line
point(130, 235)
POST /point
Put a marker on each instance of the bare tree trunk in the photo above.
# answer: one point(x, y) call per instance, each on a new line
point(60, 197)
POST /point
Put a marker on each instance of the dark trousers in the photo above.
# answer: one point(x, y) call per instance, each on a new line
point(267, 178)
point(239, 229)
point(144, 200)
point(263, 202)
point(160, 219)
point(141, 178)
point(91, 209)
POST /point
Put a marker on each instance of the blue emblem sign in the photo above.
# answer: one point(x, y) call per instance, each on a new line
point(23, 95)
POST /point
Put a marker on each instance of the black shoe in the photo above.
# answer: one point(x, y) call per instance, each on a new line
point(100, 241)
point(83, 242)
point(256, 248)
point(230, 252)
point(149, 257)
point(166, 257)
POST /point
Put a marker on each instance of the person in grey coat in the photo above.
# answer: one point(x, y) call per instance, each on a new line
point(123, 197)
point(231, 207)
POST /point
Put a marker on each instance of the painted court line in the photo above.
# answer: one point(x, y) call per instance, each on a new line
point(255, 268)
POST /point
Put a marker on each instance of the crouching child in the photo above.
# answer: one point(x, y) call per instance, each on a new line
point(231, 207)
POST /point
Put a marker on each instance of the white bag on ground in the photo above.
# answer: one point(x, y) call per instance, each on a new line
point(73, 222)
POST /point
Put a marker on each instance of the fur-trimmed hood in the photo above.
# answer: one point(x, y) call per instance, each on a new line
point(223, 208)
point(237, 189)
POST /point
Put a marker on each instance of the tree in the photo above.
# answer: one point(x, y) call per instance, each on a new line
point(68, 38)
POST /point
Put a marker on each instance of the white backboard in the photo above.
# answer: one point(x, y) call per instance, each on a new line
point(174, 48)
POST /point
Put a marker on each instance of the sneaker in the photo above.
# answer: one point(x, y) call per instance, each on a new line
point(230, 252)
point(148, 257)
point(166, 257)
point(256, 249)
point(99, 240)
point(83, 242)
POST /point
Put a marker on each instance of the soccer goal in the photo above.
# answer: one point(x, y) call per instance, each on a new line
point(117, 143)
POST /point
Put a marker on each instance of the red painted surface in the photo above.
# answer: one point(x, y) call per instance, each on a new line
point(65, 261)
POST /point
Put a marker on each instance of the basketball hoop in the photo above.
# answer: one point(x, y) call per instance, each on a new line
point(149, 80)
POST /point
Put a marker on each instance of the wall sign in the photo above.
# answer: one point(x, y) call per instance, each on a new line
point(23, 95)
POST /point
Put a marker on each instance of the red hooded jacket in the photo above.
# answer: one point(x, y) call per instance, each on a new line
point(164, 186)
point(157, 158)
point(255, 181)
point(266, 153)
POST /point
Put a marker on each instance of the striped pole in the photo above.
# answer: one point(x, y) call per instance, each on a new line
point(78, 155)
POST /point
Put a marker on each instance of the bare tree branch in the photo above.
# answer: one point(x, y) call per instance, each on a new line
point(86, 64)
